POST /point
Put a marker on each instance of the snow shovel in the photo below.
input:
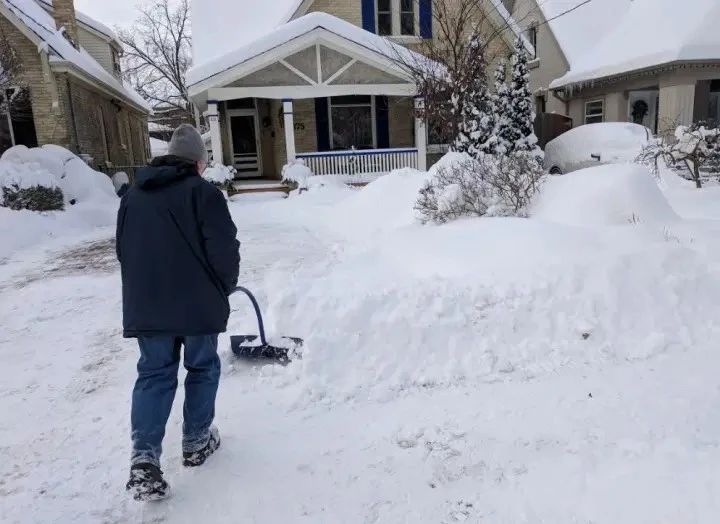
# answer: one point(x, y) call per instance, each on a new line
point(247, 348)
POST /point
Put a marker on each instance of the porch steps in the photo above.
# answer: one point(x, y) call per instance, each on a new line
point(243, 187)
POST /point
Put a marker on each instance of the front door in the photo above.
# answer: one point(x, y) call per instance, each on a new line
point(245, 144)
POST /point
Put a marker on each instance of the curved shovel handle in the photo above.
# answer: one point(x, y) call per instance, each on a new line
point(258, 313)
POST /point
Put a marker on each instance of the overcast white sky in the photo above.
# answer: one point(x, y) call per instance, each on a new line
point(110, 12)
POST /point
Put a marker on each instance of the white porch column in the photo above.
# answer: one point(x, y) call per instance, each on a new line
point(289, 129)
point(215, 137)
point(420, 134)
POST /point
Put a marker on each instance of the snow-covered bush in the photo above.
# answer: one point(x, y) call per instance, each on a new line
point(77, 181)
point(501, 185)
point(696, 145)
point(296, 175)
point(34, 190)
point(220, 175)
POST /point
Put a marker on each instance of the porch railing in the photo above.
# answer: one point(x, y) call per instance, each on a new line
point(360, 162)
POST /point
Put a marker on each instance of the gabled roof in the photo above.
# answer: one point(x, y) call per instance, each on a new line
point(40, 25)
point(295, 29)
point(650, 33)
point(250, 20)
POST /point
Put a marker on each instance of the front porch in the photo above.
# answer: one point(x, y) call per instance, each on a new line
point(330, 98)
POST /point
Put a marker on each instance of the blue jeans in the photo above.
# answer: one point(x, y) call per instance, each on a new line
point(155, 391)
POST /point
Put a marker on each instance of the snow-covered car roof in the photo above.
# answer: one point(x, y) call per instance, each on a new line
point(612, 141)
point(641, 34)
point(41, 23)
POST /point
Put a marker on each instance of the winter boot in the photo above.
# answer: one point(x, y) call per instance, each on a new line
point(147, 484)
point(198, 458)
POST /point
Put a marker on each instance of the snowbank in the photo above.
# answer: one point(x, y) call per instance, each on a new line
point(89, 197)
point(385, 204)
point(400, 306)
point(604, 196)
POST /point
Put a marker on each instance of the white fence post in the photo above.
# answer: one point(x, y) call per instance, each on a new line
point(420, 134)
point(289, 130)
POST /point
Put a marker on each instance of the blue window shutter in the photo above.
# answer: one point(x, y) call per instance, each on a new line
point(426, 19)
point(322, 122)
point(382, 122)
point(368, 15)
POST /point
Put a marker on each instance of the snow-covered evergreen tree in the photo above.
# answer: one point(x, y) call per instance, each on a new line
point(520, 131)
point(503, 101)
point(473, 104)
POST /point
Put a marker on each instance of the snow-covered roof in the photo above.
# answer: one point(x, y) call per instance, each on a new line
point(579, 24)
point(221, 26)
point(89, 21)
point(294, 29)
point(646, 34)
point(41, 23)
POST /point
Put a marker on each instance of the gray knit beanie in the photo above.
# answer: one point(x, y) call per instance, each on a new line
point(187, 143)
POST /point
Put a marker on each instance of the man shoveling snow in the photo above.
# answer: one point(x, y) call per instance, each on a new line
point(179, 255)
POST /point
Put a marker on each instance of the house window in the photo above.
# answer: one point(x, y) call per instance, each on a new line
point(352, 123)
point(594, 111)
point(407, 17)
point(396, 17)
point(532, 34)
point(384, 17)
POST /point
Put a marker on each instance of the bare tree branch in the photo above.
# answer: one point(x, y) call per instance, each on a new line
point(158, 54)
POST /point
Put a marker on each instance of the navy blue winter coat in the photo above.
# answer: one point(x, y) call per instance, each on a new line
point(178, 252)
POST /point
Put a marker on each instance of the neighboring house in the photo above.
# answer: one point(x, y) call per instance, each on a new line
point(317, 80)
point(652, 62)
point(77, 99)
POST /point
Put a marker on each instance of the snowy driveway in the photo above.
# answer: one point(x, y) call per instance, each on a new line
point(616, 442)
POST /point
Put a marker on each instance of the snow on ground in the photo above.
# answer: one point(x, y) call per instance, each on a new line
point(502, 370)
point(90, 200)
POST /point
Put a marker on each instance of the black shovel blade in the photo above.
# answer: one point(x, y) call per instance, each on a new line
point(246, 347)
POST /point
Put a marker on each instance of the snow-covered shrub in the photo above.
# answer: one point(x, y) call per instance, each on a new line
point(696, 145)
point(490, 185)
point(220, 175)
point(78, 181)
point(34, 190)
point(296, 175)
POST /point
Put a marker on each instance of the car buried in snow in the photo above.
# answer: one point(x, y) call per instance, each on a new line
point(592, 145)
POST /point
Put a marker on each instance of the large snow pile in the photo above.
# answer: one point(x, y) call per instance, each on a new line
point(605, 271)
point(604, 196)
point(90, 199)
point(385, 204)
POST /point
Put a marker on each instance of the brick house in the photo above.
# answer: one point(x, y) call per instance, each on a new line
point(315, 79)
point(70, 69)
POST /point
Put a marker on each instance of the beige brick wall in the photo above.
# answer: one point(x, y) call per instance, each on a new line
point(74, 121)
point(88, 107)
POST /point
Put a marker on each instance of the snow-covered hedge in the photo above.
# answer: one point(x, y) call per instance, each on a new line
point(23, 188)
point(55, 167)
point(487, 185)
point(220, 175)
point(296, 174)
